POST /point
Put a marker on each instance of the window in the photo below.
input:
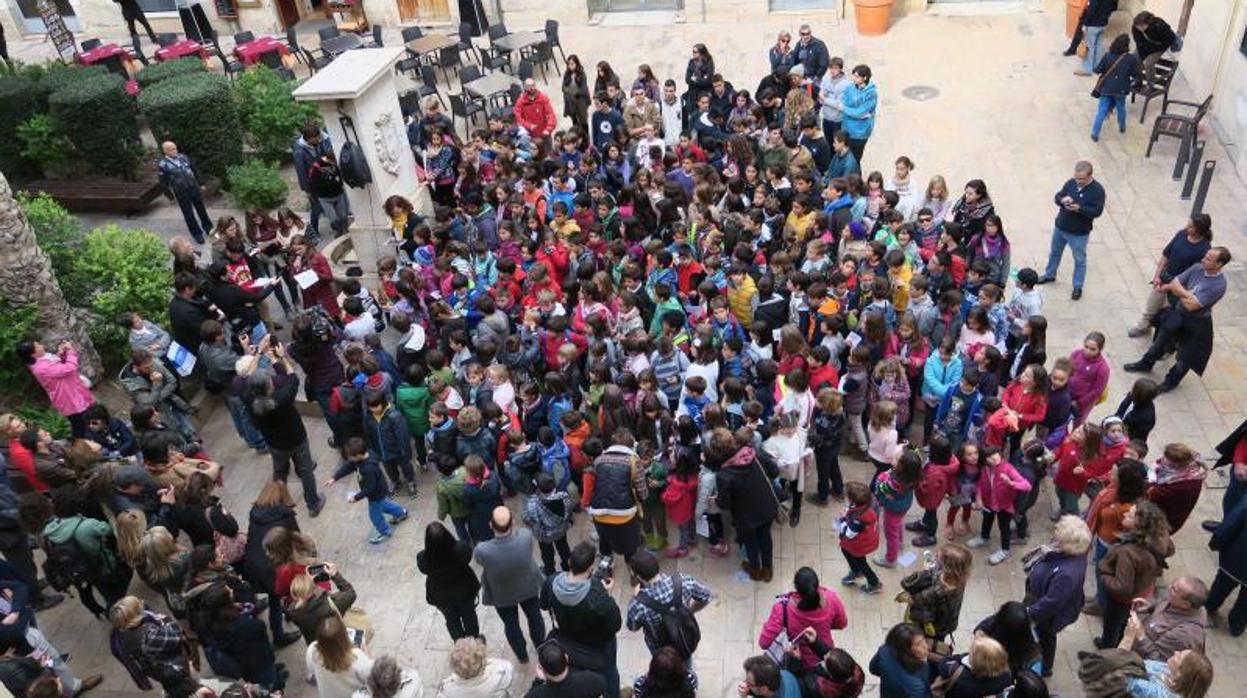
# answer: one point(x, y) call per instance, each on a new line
point(153, 6)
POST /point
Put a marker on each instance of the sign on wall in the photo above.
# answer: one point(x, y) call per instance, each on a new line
point(61, 37)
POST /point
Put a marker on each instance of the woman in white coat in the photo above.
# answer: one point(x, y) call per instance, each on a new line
point(475, 675)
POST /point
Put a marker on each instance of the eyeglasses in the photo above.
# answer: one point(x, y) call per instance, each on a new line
point(805, 34)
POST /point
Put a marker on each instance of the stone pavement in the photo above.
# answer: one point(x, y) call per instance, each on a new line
point(1009, 111)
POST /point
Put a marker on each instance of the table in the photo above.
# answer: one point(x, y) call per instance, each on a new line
point(489, 85)
point(519, 41)
point(102, 53)
point(431, 44)
point(250, 52)
point(341, 44)
point(181, 49)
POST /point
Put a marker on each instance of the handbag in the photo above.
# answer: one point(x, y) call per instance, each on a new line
point(780, 515)
point(941, 686)
point(1095, 91)
point(778, 649)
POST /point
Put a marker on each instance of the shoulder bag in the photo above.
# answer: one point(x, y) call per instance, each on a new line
point(1095, 91)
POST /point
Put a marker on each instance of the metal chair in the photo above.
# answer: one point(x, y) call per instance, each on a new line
point(525, 71)
point(465, 40)
point(447, 59)
point(497, 31)
point(495, 59)
point(1178, 126)
point(411, 33)
point(166, 39)
point(467, 74)
point(328, 32)
point(292, 43)
point(316, 63)
point(428, 84)
point(541, 54)
point(88, 44)
point(407, 66)
point(1158, 86)
point(465, 109)
point(552, 38)
point(231, 66)
point(272, 59)
point(243, 37)
point(377, 39)
point(409, 104)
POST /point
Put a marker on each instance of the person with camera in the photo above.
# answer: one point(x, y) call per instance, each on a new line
point(585, 616)
point(309, 603)
point(223, 377)
point(270, 400)
point(313, 349)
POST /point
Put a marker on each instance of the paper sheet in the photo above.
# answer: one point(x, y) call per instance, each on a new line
point(183, 361)
point(306, 278)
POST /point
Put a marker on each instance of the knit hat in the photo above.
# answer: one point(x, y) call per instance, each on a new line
point(424, 256)
point(798, 70)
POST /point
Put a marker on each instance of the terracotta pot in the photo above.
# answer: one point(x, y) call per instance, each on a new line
point(1073, 11)
point(871, 16)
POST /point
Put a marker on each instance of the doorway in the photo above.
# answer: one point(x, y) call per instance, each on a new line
point(288, 12)
point(27, 12)
point(424, 11)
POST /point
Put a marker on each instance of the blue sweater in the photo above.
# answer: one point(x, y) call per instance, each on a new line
point(1090, 201)
point(859, 110)
point(895, 681)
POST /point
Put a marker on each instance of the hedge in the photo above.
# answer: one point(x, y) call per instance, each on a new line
point(257, 184)
point(57, 77)
point(21, 99)
point(101, 121)
point(156, 72)
point(198, 113)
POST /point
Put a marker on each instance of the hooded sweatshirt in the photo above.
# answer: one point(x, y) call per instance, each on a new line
point(583, 611)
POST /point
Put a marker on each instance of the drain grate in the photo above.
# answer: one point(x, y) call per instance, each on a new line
point(920, 93)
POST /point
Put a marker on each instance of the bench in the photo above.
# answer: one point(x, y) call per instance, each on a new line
point(99, 195)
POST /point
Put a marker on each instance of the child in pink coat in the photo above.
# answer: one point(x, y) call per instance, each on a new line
point(1090, 376)
point(680, 499)
point(999, 485)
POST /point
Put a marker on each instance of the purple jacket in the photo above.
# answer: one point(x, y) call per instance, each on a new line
point(1087, 382)
point(1054, 589)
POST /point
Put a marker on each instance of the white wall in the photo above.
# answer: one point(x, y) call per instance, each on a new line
point(1210, 63)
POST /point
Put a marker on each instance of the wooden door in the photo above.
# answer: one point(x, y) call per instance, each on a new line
point(289, 13)
point(424, 10)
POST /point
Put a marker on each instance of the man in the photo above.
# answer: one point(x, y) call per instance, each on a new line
point(271, 395)
point(1094, 21)
point(857, 107)
point(640, 113)
point(763, 678)
point(1230, 541)
point(605, 124)
point(324, 184)
point(613, 486)
point(1175, 624)
point(721, 97)
point(1232, 451)
point(558, 680)
point(18, 631)
point(310, 146)
point(511, 580)
point(181, 182)
point(221, 365)
point(150, 383)
point(132, 12)
point(672, 112)
point(187, 312)
point(831, 94)
point(811, 53)
point(657, 589)
point(534, 113)
point(585, 615)
point(1080, 201)
point(1187, 325)
point(709, 135)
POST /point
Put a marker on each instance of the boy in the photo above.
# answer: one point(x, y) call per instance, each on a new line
point(372, 485)
point(450, 486)
point(549, 515)
point(412, 399)
point(694, 401)
point(390, 439)
point(854, 386)
point(605, 122)
point(1026, 301)
point(562, 225)
point(960, 408)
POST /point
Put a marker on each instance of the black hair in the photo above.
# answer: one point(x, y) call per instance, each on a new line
point(805, 582)
point(582, 558)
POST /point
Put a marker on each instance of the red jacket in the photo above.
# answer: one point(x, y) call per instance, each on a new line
point(867, 541)
point(23, 459)
point(1030, 407)
point(1097, 468)
point(555, 259)
point(938, 481)
point(916, 358)
point(535, 114)
point(826, 376)
point(680, 498)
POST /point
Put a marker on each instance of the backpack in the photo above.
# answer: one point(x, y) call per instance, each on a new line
point(352, 163)
point(68, 564)
point(678, 627)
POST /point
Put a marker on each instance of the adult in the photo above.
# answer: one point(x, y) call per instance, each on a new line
point(181, 182)
point(221, 365)
point(95, 541)
point(743, 486)
point(317, 290)
point(1118, 69)
point(781, 54)
point(242, 305)
point(765, 679)
point(315, 351)
point(475, 675)
point(699, 76)
point(560, 679)
point(656, 590)
point(640, 116)
point(858, 105)
point(1094, 22)
point(325, 185)
point(1054, 584)
point(978, 673)
point(272, 512)
point(450, 583)
point(15, 544)
point(1230, 541)
point(1174, 624)
point(1231, 451)
point(18, 631)
point(576, 97)
point(235, 643)
point(57, 373)
point(901, 663)
point(1176, 483)
point(340, 668)
point(810, 52)
point(151, 646)
point(1080, 201)
point(150, 383)
point(388, 680)
point(672, 112)
point(585, 616)
point(132, 12)
point(1187, 324)
point(1132, 566)
point(1185, 249)
point(511, 580)
point(309, 603)
point(614, 487)
point(809, 605)
point(312, 144)
point(1011, 626)
point(968, 214)
point(1187, 674)
point(534, 112)
point(270, 400)
point(188, 310)
point(1152, 37)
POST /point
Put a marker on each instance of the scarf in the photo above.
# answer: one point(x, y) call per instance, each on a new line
point(1167, 473)
point(992, 245)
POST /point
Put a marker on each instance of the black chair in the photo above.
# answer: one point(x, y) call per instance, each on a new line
point(377, 40)
point(411, 33)
point(292, 43)
point(552, 38)
point(88, 44)
point(1180, 126)
point(328, 32)
point(465, 109)
point(540, 54)
point(428, 84)
point(494, 59)
point(272, 59)
point(502, 100)
point(525, 71)
point(138, 50)
point(1162, 77)
point(467, 74)
point(243, 37)
point(231, 66)
point(447, 59)
point(409, 104)
point(316, 63)
point(166, 39)
point(497, 31)
point(515, 93)
point(465, 40)
point(408, 66)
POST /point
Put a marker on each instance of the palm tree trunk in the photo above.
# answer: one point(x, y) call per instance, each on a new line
point(26, 278)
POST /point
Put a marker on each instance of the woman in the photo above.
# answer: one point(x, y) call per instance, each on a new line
point(1054, 581)
point(388, 680)
point(163, 564)
point(809, 605)
point(475, 675)
point(1186, 674)
point(605, 76)
point(272, 509)
point(698, 75)
point(1187, 247)
point(340, 668)
point(450, 583)
point(992, 247)
point(1131, 568)
point(151, 646)
point(645, 78)
point(57, 373)
point(668, 677)
point(318, 285)
point(981, 672)
point(968, 214)
point(576, 97)
point(901, 664)
point(1011, 626)
point(270, 253)
point(1229, 539)
point(744, 487)
point(236, 644)
point(403, 223)
point(95, 539)
point(781, 53)
point(309, 604)
point(1118, 69)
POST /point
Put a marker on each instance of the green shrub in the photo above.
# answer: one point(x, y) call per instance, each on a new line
point(61, 237)
point(269, 114)
point(16, 324)
point(56, 75)
point(130, 272)
point(100, 119)
point(197, 112)
point(154, 73)
point(257, 184)
point(43, 142)
point(21, 99)
point(47, 417)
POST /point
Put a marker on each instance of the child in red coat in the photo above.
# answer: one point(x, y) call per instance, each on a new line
point(1085, 459)
point(859, 537)
point(680, 498)
point(1025, 402)
point(939, 477)
point(999, 485)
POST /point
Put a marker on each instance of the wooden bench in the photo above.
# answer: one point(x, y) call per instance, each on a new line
point(100, 195)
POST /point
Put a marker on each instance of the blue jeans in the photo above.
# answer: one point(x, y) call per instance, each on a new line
point(1107, 104)
point(242, 422)
point(1078, 247)
point(384, 506)
point(1093, 36)
point(1101, 550)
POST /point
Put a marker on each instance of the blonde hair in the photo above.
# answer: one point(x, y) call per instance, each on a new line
point(957, 560)
point(830, 400)
point(1194, 676)
point(126, 613)
point(467, 658)
point(274, 493)
point(130, 526)
point(302, 588)
point(891, 363)
point(7, 421)
point(883, 415)
point(987, 657)
point(157, 548)
point(469, 420)
point(1071, 535)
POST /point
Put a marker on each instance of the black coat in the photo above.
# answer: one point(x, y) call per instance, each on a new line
point(592, 622)
point(258, 570)
point(1157, 37)
point(282, 427)
point(1117, 73)
point(745, 491)
point(1140, 421)
point(185, 317)
point(449, 581)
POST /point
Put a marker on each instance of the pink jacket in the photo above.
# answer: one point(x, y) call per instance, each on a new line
point(1087, 383)
point(59, 377)
point(999, 486)
point(830, 615)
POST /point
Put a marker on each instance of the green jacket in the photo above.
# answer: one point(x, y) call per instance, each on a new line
point(92, 536)
point(450, 495)
point(413, 402)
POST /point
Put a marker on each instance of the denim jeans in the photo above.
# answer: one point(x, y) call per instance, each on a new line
point(242, 422)
point(377, 508)
point(510, 616)
point(1109, 103)
point(1094, 37)
point(1078, 247)
point(36, 639)
point(1100, 551)
point(336, 209)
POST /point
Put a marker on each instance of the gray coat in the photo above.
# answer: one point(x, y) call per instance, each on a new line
point(509, 574)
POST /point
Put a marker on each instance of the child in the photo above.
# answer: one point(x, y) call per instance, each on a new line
point(450, 493)
point(390, 439)
point(694, 401)
point(859, 537)
point(1137, 410)
point(960, 408)
point(549, 515)
point(1031, 461)
point(891, 384)
point(1090, 377)
point(938, 477)
point(895, 492)
point(854, 385)
point(482, 492)
point(503, 389)
point(824, 438)
point(1025, 302)
point(999, 485)
point(372, 485)
point(934, 595)
point(707, 486)
point(680, 498)
point(940, 374)
point(884, 445)
point(1086, 456)
point(787, 448)
point(1025, 402)
point(964, 488)
point(555, 458)
point(654, 520)
point(522, 464)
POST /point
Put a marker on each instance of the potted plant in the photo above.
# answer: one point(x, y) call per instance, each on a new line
point(872, 16)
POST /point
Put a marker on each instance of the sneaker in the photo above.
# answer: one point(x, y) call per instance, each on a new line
point(400, 518)
point(976, 542)
point(924, 541)
point(915, 527)
point(872, 589)
point(1045, 280)
point(314, 510)
point(882, 561)
point(850, 579)
point(379, 538)
point(998, 557)
point(719, 550)
point(48, 600)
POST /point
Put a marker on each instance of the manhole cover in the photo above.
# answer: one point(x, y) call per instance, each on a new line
point(920, 93)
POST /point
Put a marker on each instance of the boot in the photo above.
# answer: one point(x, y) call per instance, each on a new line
point(767, 574)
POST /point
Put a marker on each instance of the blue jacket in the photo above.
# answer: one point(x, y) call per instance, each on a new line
point(1230, 541)
point(859, 110)
point(895, 680)
point(388, 437)
point(1091, 204)
point(813, 57)
point(1117, 76)
point(305, 154)
point(372, 482)
point(843, 165)
point(938, 378)
point(976, 409)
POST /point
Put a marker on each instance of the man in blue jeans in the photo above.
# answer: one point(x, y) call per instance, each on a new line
point(1079, 203)
point(372, 485)
point(1094, 22)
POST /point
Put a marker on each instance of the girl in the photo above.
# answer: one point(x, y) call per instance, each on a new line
point(936, 199)
point(883, 444)
point(859, 537)
point(1084, 457)
point(680, 496)
point(1090, 377)
point(935, 595)
point(976, 333)
point(891, 384)
point(999, 485)
point(988, 361)
point(1137, 410)
point(1027, 348)
point(992, 247)
point(963, 491)
point(824, 438)
point(1026, 400)
point(895, 491)
point(940, 373)
point(938, 477)
point(786, 447)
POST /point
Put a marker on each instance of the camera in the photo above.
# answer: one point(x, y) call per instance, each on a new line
point(605, 568)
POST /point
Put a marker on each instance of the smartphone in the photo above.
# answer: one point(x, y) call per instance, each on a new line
point(318, 572)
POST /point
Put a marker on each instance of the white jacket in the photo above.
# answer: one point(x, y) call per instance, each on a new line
point(494, 682)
